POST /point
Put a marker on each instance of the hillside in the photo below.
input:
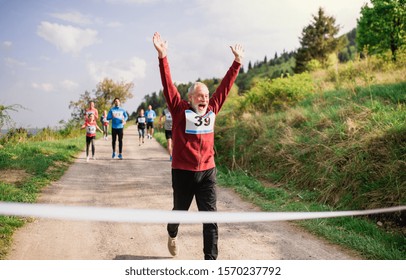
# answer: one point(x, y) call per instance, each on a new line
point(342, 149)
point(335, 135)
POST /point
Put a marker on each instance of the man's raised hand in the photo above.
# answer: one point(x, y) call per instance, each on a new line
point(238, 52)
point(160, 45)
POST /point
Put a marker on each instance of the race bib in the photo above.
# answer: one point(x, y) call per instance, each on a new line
point(91, 129)
point(141, 120)
point(150, 115)
point(196, 124)
point(118, 114)
point(168, 116)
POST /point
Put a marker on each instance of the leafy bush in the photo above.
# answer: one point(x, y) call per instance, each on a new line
point(279, 93)
point(313, 65)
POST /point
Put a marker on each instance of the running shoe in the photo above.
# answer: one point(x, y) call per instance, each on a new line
point(114, 155)
point(87, 158)
point(120, 156)
point(173, 246)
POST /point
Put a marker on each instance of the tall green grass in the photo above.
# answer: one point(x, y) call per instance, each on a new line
point(36, 164)
point(356, 233)
point(337, 150)
point(346, 148)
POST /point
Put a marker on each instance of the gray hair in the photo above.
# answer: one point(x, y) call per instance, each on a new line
point(194, 86)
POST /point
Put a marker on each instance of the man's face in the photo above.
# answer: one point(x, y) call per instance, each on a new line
point(117, 102)
point(199, 100)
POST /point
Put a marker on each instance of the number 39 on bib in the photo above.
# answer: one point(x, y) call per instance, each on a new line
point(196, 124)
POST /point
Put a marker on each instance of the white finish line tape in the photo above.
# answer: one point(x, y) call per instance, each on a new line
point(103, 214)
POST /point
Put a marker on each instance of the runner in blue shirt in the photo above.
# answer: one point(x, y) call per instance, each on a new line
point(118, 117)
point(150, 115)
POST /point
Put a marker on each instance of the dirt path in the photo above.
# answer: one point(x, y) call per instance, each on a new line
point(142, 180)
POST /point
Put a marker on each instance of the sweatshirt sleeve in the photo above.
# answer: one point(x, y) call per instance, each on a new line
point(221, 93)
point(109, 115)
point(171, 93)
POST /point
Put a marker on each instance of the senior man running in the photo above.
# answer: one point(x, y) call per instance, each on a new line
point(193, 166)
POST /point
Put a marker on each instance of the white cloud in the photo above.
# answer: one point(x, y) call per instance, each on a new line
point(11, 62)
point(265, 15)
point(67, 38)
point(43, 86)
point(70, 85)
point(45, 58)
point(114, 24)
point(118, 70)
point(262, 26)
point(244, 15)
point(7, 44)
point(17, 65)
point(74, 17)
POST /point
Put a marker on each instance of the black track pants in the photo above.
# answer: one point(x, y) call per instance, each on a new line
point(201, 185)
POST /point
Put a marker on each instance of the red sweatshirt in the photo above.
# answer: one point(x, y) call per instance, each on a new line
point(90, 128)
point(193, 136)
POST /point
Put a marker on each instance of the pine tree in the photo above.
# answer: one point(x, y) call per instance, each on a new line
point(318, 40)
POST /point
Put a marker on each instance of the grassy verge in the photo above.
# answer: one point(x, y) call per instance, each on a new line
point(27, 168)
point(335, 150)
point(159, 136)
point(356, 233)
point(345, 147)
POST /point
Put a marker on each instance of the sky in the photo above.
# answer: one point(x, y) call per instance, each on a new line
point(52, 51)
